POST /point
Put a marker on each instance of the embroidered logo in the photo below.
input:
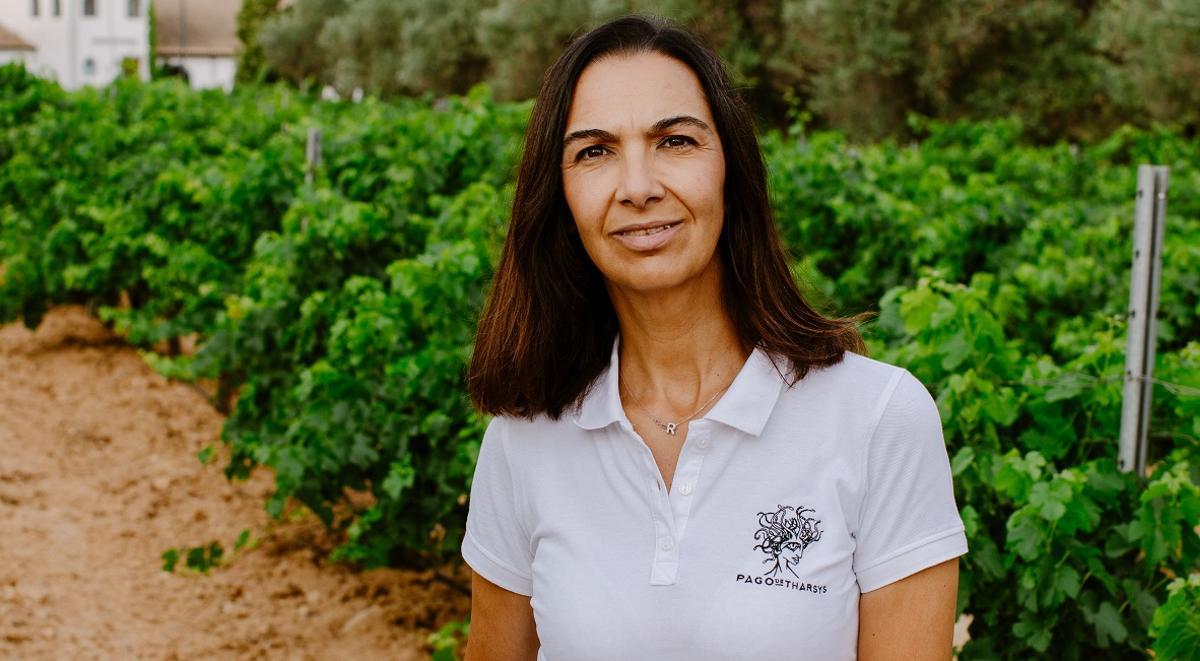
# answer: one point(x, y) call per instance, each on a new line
point(783, 536)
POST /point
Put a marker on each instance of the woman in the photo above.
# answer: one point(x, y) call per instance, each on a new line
point(687, 461)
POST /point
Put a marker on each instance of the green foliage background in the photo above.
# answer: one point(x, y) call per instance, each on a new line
point(342, 311)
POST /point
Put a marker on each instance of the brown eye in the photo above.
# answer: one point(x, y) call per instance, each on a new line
point(677, 141)
point(590, 153)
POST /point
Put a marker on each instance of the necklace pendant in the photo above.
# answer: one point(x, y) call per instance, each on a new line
point(671, 427)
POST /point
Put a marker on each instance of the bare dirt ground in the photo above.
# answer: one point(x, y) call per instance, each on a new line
point(99, 475)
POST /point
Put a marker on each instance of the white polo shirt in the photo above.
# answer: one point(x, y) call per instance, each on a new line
point(786, 504)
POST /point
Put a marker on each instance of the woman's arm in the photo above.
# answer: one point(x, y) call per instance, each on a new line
point(502, 627)
point(912, 618)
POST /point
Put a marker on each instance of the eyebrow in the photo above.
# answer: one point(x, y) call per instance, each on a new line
point(660, 127)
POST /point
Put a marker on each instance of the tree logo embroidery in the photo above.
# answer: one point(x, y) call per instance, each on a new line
point(783, 536)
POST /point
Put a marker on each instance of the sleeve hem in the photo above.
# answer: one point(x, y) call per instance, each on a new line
point(488, 566)
point(911, 559)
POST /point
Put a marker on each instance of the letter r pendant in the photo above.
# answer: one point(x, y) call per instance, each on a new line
point(671, 427)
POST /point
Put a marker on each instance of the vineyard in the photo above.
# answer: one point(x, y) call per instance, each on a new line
point(331, 308)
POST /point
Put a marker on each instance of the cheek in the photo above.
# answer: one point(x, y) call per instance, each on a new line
point(705, 184)
point(585, 205)
point(717, 188)
point(706, 198)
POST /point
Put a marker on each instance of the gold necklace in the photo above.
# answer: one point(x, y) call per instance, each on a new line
point(669, 426)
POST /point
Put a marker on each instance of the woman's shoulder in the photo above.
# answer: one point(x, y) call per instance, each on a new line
point(521, 435)
point(861, 385)
point(539, 423)
point(858, 373)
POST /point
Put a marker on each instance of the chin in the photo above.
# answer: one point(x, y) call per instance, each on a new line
point(649, 278)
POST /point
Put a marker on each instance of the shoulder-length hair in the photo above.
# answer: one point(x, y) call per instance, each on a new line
point(548, 327)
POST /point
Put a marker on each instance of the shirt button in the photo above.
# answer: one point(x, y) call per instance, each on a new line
point(703, 443)
point(668, 544)
point(685, 489)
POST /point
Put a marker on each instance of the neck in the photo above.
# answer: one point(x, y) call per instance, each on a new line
point(678, 346)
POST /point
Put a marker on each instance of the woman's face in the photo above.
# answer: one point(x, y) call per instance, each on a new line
point(643, 171)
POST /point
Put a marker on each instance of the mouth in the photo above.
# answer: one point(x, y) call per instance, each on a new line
point(648, 229)
point(645, 237)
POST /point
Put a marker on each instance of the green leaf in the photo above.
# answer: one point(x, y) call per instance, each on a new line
point(1002, 407)
point(1101, 573)
point(1118, 542)
point(954, 351)
point(1034, 630)
point(206, 454)
point(962, 459)
point(1176, 624)
point(917, 307)
point(1050, 500)
point(170, 558)
point(401, 476)
point(986, 555)
point(1015, 475)
point(1108, 623)
point(1025, 535)
point(1067, 581)
point(1067, 387)
point(197, 558)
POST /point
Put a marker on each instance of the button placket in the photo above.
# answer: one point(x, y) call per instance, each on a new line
point(686, 479)
point(665, 561)
point(670, 510)
point(666, 552)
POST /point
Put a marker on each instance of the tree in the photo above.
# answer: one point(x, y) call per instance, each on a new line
point(1155, 45)
point(289, 40)
point(252, 61)
point(406, 47)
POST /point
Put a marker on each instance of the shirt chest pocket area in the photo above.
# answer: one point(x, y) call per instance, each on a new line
point(787, 588)
point(800, 550)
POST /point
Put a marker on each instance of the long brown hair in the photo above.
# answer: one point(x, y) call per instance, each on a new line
point(548, 327)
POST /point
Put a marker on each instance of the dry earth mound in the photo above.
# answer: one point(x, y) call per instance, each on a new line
point(99, 475)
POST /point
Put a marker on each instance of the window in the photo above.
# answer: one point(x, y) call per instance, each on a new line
point(34, 9)
point(89, 67)
point(89, 7)
point(57, 5)
point(135, 8)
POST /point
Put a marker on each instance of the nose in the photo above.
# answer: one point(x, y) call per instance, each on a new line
point(639, 183)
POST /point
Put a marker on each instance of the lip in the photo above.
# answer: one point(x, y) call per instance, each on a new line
point(647, 242)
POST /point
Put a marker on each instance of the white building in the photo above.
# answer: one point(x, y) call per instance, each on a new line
point(199, 36)
point(90, 42)
point(81, 42)
point(13, 48)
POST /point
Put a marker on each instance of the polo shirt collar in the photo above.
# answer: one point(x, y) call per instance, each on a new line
point(602, 405)
point(750, 399)
point(745, 406)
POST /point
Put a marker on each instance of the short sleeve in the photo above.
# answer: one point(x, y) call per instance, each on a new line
point(497, 545)
point(909, 520)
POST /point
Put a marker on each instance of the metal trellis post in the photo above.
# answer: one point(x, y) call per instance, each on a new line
point(1149, 219)
point(312, 153)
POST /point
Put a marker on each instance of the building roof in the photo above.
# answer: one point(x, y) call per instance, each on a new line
point(197, 28)
point(10, 41)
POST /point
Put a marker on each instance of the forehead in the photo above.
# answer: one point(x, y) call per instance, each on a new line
point(635, 91)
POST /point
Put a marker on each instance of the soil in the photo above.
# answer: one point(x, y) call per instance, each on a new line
point(99, 476)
